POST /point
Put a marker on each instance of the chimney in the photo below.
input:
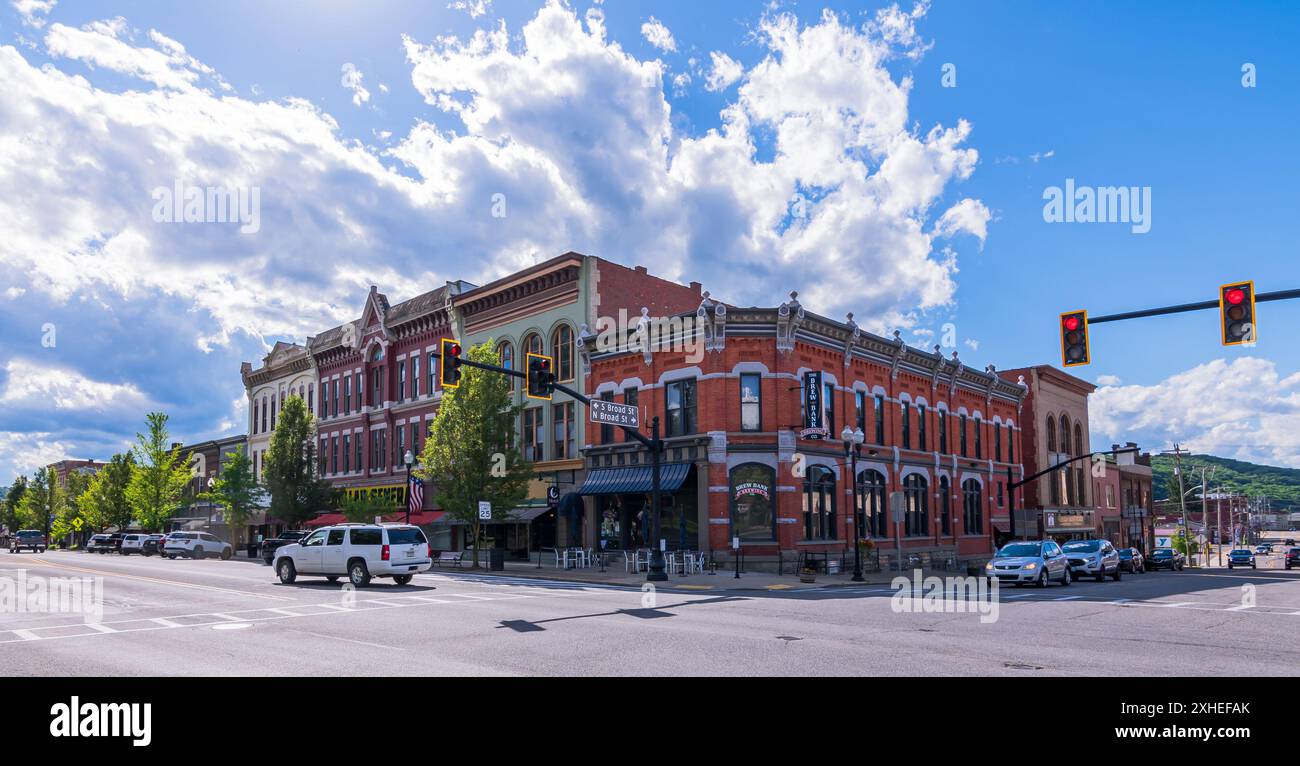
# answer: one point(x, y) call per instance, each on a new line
point(695, 287)
point(641, 270)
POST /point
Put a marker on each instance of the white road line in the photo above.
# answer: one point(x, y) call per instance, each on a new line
point(1067, 598)
point(224, 616)
point(284, 612)
point(1240, 608)
point(26, 635)
point(101, 627)
point(166, 623)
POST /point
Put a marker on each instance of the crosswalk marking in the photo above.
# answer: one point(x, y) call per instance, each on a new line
point(101, 627)
point(166, 623)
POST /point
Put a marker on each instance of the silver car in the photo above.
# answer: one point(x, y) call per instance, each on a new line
point(1093, 558)
point(1035, 561)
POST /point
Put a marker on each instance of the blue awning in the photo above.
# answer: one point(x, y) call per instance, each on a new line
point(634, 479)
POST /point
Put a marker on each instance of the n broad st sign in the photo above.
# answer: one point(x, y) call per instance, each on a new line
point(613, 413)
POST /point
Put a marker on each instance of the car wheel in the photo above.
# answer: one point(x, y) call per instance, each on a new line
point(1065, 577)
point(1118, 574)
point(1101, 575)
point(171, 556)
point(402, 579)
point(358, 575)
point(1230, 565)
point(286, 571)
point(198, 553)
point(226, 553)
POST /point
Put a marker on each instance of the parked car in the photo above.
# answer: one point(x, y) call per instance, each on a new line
point(28, 538)
point(98, 544)
point(1292, 558)
point(1093, 558)
point(1264, 549)
point(132, 543)
point(358, 551)
point(1240, 557)
point(1035, 561)
point(269, 547)
point(1131, 560)
point(1166, 558)
point(153, 544)
point(196, 545)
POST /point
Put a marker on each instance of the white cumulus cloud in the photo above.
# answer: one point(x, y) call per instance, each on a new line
point(351, 80)
point(658, 35)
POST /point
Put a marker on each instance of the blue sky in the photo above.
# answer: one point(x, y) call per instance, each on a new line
point(377, 133)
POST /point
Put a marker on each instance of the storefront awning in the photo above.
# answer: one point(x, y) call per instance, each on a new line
point(1002, 525)
point(634, 479)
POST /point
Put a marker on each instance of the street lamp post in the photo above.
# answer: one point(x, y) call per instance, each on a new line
point(409, 459)
point(853, 439)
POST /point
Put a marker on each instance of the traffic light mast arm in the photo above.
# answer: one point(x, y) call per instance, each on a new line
point(1085, 456)
point(1276, 295)
point(632, 432)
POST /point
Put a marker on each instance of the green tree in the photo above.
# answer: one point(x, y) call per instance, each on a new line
point(467, 457)
point(13, 499)
point(361, 508)
point(39, 501)
point(289, 471)
point(236, 491)
point(159, 475)
point(105, 503)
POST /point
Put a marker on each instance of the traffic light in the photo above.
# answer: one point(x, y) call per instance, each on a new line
point(1237, 313)
point(539, 376)
point(450, 373)
point(1074, 339)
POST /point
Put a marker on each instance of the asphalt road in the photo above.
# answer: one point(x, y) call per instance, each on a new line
point(220, 618)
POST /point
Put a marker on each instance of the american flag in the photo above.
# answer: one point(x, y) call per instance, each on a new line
point(416, 494)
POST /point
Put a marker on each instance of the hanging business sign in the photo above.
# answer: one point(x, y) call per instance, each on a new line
point(814, 413)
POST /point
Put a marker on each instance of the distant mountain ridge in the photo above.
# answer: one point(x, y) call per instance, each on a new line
point(1281, 485)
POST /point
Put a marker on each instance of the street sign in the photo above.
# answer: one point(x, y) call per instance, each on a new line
point(613, 413)
point(484, 510)
point(897, 506)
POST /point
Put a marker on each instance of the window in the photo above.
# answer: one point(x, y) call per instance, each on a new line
point(918, 506)
point(506, 356)
point(828, 406)
point(907, 424)
point(562, 345)
point(415, 376)
point(631, 396)
point(533, 344)
point(433, 373)
point(1011, 444)
point(1051, 434)
point(401, 381)
point(871, 496)
point(860, 399)
point(753, 487)
point(920, 426)
point(263, 414)
point(997, 442)
point(532, 441)
point(310, 403)
point(415, 440)
point(336, 398)
point(945, 506)
point(347, 453)
point(819, 504)
point(606, 430)
point(335, 537)
point(401, 445)
point(751, 402)
point(679, 404)
point(961, 423)
point(359, 440)
point(356, 389)
point(322, 463)
point(378, 449)
point(562, 425)
point(880, 418)
point(376, 387)
point(273, 413)
point(334, 454)
point(1078, 440)
point(1001, 494)
point(973, 507)
point(979, 439)
point(347, 394)
point(943, 430)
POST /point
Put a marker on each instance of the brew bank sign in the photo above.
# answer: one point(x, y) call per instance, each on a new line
point(814, 410)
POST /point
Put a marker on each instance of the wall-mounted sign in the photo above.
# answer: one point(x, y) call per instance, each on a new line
point(814, 416)
point(753, 488)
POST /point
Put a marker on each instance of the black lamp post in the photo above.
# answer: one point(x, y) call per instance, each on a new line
point(853, 439)
point(409, 459)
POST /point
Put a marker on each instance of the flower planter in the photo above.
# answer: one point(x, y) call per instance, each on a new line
point(807, 576)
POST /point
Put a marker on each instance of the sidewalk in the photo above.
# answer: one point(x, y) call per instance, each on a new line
point(722, 581)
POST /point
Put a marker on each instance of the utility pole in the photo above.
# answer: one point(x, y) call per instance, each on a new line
point(1182, 501)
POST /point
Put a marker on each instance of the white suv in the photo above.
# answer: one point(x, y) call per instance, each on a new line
point(196, 545)
point(132, 544)
point(359, 551)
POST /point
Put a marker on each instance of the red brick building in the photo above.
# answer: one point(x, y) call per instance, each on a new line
point(741, 464)
point(378, 390)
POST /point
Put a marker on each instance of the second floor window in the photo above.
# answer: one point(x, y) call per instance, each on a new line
point(347, 453)
point(961, 423)
point(943, 430)
point(979, 438)
point(433, 374)
point(679, 404)
point(920, 426)
point(997, 442)
point(415, 376)
point(562, 425)
point(401, 381)
point(376, 387)
point(751, 402)
point(907, 424)
point(347, 393)
point(532, 433)
point(860, 399)
point(828, 403)
point(562, 344)
point(880, 419)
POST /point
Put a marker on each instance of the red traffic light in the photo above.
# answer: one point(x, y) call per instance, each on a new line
point(1071, 323)
point(1235, 295)
point(454, 350)
point(1074, 338)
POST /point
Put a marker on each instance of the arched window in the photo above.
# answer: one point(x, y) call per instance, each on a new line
point(1051, 433)
point(532, 344)
point(819, 504)
point(562, 347)
point(506, 356)
point(918, 505)
point(873, 518)
point(753, 507)
point(1065, 434)
point(945, 506)
point(973, 507)
point(1078, 439)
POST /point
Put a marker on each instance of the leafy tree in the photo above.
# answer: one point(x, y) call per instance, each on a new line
point(105, 503)
point(466, 457)
point(39, 501)
point(159, 475)
point(13, 498)
point(236, 491)
point(297, 492)
point(361, 508)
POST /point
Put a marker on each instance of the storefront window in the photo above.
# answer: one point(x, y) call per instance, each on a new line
point(973, 506)
point(819, 504)
point(918, 506)
point(871, 498)
point(532, 427)
point(753, 510)
point(945, 505)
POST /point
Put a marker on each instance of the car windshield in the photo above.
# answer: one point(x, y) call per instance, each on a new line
point(29, 534)
point(1126, 553)
point(1021, 549)
point(1241, 552)
point(1081, 546)
point(1163, 553)
point(405, 536)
